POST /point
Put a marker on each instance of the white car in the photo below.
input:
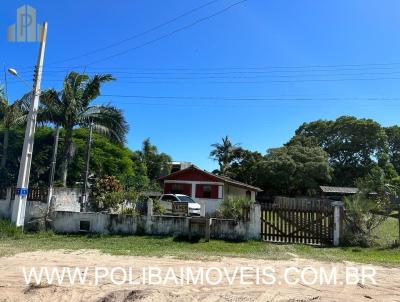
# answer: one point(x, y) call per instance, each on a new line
point(167, 199)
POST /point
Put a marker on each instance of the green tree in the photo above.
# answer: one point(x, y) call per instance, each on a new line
point(354, 145)
point(393, 135)
point(154, 163)
point(11, 117)
point(224, 153)
point(247, 167)
point(107, 158)
point(40, 160)
point(71, 107)
point(296, 170)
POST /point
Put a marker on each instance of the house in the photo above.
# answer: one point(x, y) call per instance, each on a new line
point(207, 189)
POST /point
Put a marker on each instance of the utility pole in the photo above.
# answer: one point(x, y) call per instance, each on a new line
point(87, 171)
point(21, 194)
point(53, 166)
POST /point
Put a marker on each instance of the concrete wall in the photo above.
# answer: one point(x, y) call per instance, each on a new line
point(69, 222)
point(64, 199)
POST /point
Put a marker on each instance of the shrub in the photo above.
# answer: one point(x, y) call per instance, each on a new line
point(232, 207)
point(129, 211)
point(362, 216)
point(106, 194)
point(158, 208)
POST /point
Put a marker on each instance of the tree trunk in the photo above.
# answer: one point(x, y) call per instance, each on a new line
point(5, 149)
point(66, 156)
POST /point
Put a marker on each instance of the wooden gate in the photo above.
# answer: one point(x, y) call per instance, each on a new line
point(298, 222)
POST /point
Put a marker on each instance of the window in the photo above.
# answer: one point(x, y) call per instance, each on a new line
point(206, 191)
point(177, 189)
point(169, 198)
point(186, 199)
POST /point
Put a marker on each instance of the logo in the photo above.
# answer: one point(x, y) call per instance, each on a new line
point(25, 29)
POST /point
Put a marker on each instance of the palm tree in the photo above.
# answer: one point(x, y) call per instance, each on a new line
point(11, 116)
point(224, 154)
point(71, 107)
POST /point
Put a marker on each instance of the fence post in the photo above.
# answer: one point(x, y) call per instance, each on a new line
point(8, 194)
point(149, 208)
point(255, 221)
point(208, 228)
point(337, 221)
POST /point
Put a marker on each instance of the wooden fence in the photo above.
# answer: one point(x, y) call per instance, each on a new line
point(298, 222)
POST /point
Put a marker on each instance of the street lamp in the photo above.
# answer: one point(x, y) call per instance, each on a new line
point(14, 72)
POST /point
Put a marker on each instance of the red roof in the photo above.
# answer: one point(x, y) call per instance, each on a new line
point(194, 173)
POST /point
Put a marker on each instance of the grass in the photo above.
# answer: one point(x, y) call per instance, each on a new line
point(387, 233)
point(12, 241)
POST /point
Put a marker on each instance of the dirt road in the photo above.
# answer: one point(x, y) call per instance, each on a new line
point(121, 278)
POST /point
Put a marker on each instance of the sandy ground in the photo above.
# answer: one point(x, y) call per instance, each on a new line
point(13, 286)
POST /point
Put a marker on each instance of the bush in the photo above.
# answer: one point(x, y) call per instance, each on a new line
point(129, 211)
point(158, 208)
point(232, 207)
point(106, 194)
point(362, 217)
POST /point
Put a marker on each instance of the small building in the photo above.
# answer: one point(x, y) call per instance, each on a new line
point(179, 165)
point(206, 188)
point(337, 193)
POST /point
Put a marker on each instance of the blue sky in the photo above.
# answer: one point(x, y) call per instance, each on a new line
point(254, 72)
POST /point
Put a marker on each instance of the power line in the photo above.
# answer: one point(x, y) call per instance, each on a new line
point(240, 105)
point(294, 68)
point(135, 36)
point(202, 77)
point(168, 34)
point(200, 81)
point(253, 98)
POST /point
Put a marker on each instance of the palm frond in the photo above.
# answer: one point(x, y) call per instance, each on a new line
point(92, 87)
point(105, 116)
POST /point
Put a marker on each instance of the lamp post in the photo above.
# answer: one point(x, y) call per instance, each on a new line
point(21, 193)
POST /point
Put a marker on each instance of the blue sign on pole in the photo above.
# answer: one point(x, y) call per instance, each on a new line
point(22, 192)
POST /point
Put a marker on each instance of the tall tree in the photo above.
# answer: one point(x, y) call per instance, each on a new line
point(393, 134)
point(354, 145)
point(156, 164)
point(247, 167)
point(296, 170)
point(71, 107)
point(224, 153)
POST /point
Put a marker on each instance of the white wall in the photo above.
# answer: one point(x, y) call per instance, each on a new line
point(208, 206)
point(69, 222)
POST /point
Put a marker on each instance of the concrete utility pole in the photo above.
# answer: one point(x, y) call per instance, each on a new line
point(21, 194)
point(87, 171)
point(53, 166)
